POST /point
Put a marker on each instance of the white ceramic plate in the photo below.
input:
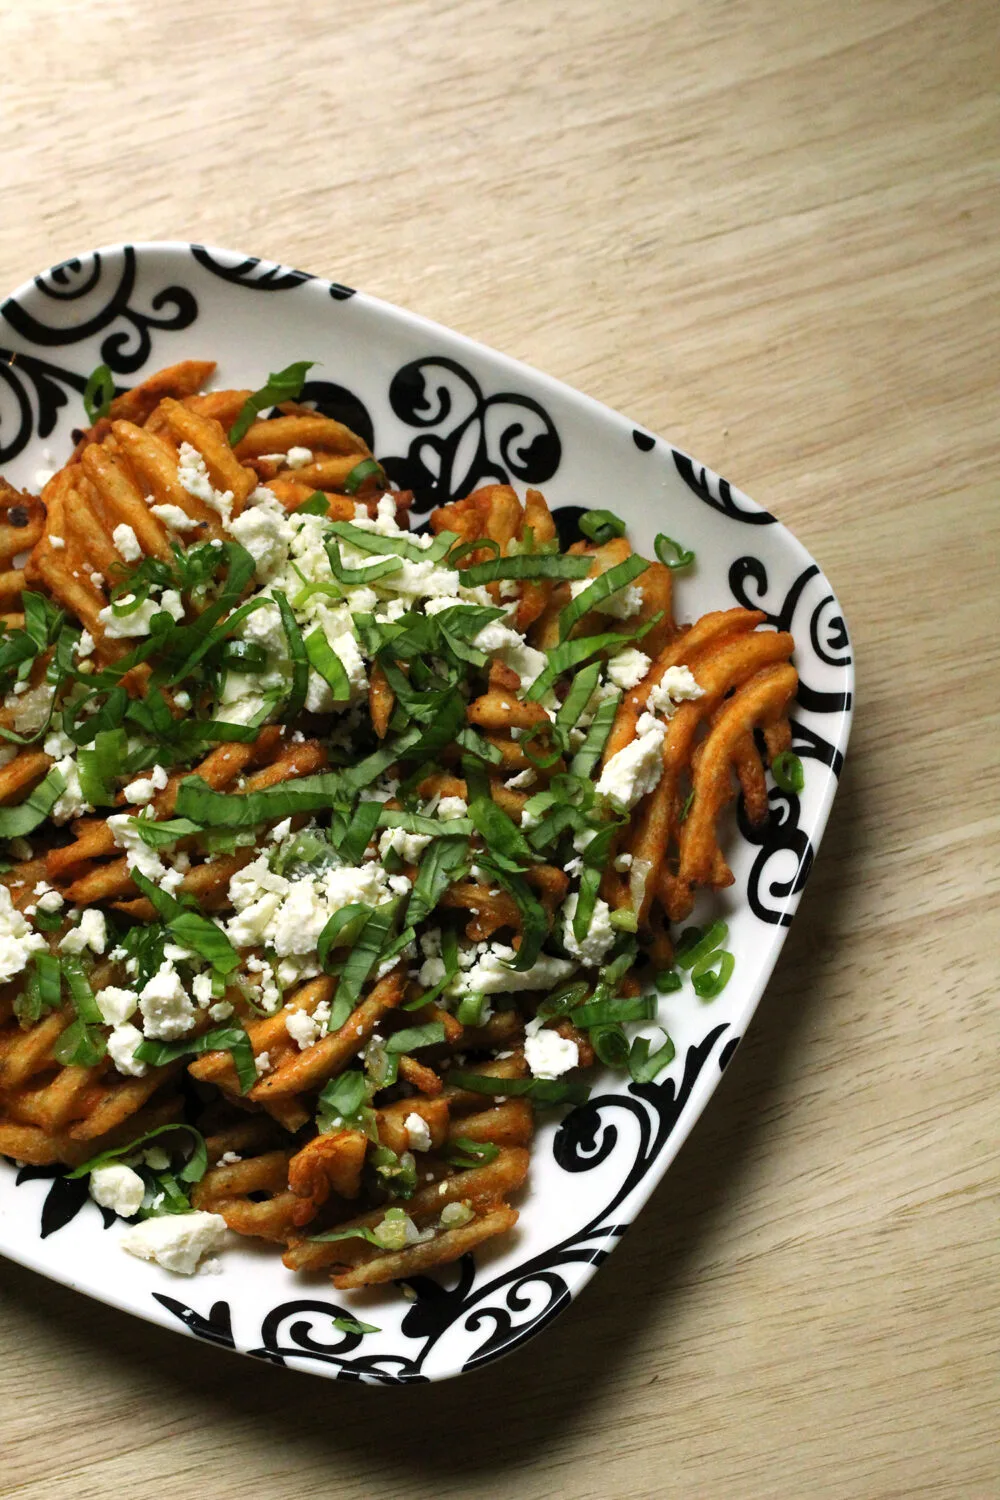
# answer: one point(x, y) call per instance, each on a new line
point(444, 415)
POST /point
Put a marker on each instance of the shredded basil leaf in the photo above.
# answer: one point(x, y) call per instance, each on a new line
point(282, 385)
point(193, 1169)
point(16, 821)
point(231, 1039)
point(603, 586)
point(541, 1090)
point(413, 1037)
point(527, 565)
point(98, 394)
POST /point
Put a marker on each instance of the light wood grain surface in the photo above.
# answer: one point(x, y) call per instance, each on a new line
point(769, 230)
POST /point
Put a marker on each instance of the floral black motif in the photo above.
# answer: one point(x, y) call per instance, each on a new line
point(716, 492)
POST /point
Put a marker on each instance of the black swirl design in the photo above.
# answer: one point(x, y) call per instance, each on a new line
point(258, 275)
point(128, 341)
point(644, 441)
point(216, 1328)
point(716, 492)
point(342, 405)
point(32, 393)
point(465, 437)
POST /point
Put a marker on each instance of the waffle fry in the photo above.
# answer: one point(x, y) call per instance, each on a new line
point(279, 825)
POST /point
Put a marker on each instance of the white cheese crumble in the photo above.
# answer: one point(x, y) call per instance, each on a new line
point(176, 1241)
point(192, 475)
point(491, 974)
point(409, 846)
point(628, 667)
point(126, 543)
point(71, 802)
point(173, 518)
point(452, 807)
point(600, 935)
point(302, 1028)
point(621, 605)
point(145, 788)
point(58, 542)
point(138, 855)
point(297, 458)
point(118, 1188)
point(90, 932)
point(166, 1009)
point(635, 770)
point(17, 941)
point(675, 686)
point(121, 1049)
point(116, 1004)
point(417, 1132)
point(549, 1055)
point(85, 645)
point(498, 639)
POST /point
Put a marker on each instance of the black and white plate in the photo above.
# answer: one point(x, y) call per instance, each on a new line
point(444, 414)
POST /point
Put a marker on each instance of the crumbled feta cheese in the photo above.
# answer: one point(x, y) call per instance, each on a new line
point(116, 1004)
point(452, 807)
point(145, 788)
point(676, 685)
point(549, 1055)
point(126, 543)
point(265, 530)
point(192, 475)
point(176, 1241)
point(498, 639)
point(299, 457)
point(281, 830)
point(621, 605)
point(71, 802)
point(409, 846)
point(137, 854)
point(135, 623)
point(121, 1049)
point(302, 1028)
point(201, 989)
point(262, 1063)
point(623, 862)
point(523, 780)
point(167, 1011)
point(628, 667)
point(182, 698)
point(90, 932)
point(417, 1132)
point(58, 542)
point(491, 974)
point(17, 941)
point(636, 770)
point(600, 935)
point(174, 518)
point(220, 1011)
point(118, 1188)
point(85, 645)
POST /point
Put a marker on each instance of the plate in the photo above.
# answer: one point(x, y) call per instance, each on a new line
point(445, 415)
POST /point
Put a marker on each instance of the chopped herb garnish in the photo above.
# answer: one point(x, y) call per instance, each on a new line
point(788, 771)
point(98, 394)
point(283, 385)
point(671, 553)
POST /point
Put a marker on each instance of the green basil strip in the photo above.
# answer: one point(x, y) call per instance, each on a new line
point(328, 664)
point(352, 1325)
point(282, 385)
point(465, 1153)
point(671, 553)
point(295, 701)
point(473, 743)
point(373, 541)
point(192, 1171)
point(341, 1099)
point(601, 526)
point(644, 1065)
point(602, 588)
point(210, 809)
point(342, 930)
point(506, 843)
point(573, 654)
point(368, 574)
point(527, 565)
point(542, 1090)
point(589, 753)
point(98, 394)
point(318, 504)
point(449, 955)
point(534, 922)
point(80, 1045)
point(242, 656)
point(361, 471)
point(414, 1037)
point(417, 823)
point(15, 822)
point(231, 1039)
point(581, 691)
point(101, 765)
point(363, 824)
point(363, 955)
point(190, 928)
point(438, 869)
point(164, 835)
point(614, 1011)
point(80, 992)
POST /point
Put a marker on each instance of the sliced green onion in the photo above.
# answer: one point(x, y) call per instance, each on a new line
point(80, 1045)
point(100, 765)
point(788, 771)
point(362, 471)
point(581, 691)
point(282, 385)
point(671, 553)
point(506, 843)
point(611, 1045)
point(709, 981)
point(478, 544)
point(643, 1065)
point(471, 1010)
point(696, 945)
point(624, 920)
point(466, 1154)
point(352, 1325)
point(603, 586)
point(188, 927)
point(529, 565)
point(586, 901)
point(98, 394)
point(342, 930)
point(49, 971)
point(601, 525)
point(668, 981)
point(615, 1010)
point(295, 701)
point(687, 806)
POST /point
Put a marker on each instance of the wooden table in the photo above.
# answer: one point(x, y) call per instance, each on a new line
point(771, 232)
